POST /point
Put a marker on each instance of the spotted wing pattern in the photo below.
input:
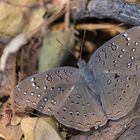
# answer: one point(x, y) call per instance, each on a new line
point(37, 91)
point(81, 110)
point(116, 65)
point(59, 92)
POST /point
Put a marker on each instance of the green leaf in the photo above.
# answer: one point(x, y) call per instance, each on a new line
point(53, 53)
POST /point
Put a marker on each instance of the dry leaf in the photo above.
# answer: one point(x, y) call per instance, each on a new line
point(11, 19)
point(39, 129)
point(15, 120)
point(8, 131)
point(16, 16)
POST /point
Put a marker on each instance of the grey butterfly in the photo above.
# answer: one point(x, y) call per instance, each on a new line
point(107, 87)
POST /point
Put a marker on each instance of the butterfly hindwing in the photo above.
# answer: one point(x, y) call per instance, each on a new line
point(80, 110)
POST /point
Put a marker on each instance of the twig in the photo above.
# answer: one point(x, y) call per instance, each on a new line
point(99, 27)
point(120, 10)
point(47, 22)
point(67, 15)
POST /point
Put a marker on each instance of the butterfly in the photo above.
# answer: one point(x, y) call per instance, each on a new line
point(105, 88)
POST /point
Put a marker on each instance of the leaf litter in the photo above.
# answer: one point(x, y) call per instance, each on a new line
point(31, 50)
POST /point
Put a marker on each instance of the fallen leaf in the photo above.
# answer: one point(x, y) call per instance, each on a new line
point(55, 48)
point(11, 19)
point(15, 120)
point(6, 130)
point(16, 16)
point(39, 129)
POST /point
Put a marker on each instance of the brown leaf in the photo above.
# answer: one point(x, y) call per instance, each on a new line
point(39, 129)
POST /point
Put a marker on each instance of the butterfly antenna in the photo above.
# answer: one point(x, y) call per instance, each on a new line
point(82, 44)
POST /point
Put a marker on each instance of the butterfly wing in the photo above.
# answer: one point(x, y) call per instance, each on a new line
point(80, 110)
point(59, 92)
point(119, 94)
point(116, 67)
point(118, 55)
point(45, 91)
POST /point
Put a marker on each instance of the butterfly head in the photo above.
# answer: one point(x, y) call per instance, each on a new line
point(81, 63)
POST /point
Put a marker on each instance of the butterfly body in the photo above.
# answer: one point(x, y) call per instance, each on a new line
point(87, 75)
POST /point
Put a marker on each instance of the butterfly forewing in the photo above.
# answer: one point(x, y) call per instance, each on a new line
point(119, 55)
point(45, 91)
point(116, 68)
